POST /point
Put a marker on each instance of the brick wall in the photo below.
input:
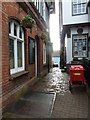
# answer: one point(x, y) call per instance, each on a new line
point(10, 87)
point(0, 62)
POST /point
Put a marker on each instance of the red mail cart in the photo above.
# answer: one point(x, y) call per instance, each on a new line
point(76, 75)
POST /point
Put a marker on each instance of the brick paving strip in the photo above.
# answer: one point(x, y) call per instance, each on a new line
point(71, 105)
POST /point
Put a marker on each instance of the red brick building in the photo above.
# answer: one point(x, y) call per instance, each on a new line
point(24, 54)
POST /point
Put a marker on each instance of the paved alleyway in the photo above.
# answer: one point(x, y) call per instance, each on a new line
point(51, 98)
point(55, 81)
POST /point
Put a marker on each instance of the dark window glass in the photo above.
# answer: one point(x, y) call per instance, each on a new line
point(20, 33)
point(11, 51)
point(31, 51)
point(15, 29)
point(84, 48)
point(9, 27)
point(19, 53)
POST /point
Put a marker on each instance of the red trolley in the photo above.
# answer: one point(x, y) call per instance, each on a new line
point(76, 75)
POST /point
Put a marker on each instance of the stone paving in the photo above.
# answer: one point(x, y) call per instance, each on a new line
point(66, 104)
point(55, 81)
point(32, 105)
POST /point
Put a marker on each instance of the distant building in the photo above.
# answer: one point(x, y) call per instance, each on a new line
point(56, 58)
point(76, 30)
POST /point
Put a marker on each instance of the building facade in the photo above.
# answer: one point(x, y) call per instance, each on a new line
point(76, 30)
point(24, 53)
point(56, 58)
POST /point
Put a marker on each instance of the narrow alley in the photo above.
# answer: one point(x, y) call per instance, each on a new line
point(51, 98)
point(41, 41)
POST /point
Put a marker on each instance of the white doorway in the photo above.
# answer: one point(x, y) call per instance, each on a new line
point(36, 58)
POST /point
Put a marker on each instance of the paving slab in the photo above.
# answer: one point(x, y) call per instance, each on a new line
point(32, 105)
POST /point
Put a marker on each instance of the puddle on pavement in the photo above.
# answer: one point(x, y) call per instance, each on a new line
point(55, 81)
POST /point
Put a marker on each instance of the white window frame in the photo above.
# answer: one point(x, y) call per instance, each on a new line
point(79, 3)
point(78, 43)
point(44, 53)
point(17, 69)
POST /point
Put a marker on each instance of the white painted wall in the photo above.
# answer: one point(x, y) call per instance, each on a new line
point(74, 30)
point(68, 41)
point(67, 14)
point(68, 49)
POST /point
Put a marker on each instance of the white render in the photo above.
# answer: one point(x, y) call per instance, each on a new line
point(74, 22)
point(68, 18)
point(68, 49)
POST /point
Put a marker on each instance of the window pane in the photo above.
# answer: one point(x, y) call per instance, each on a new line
point(84, 8)
point(15, 29)
point(84, 1)
point(31, 50)
point(9, 27)
point(11, 52)
point(20, 33)
point(44, 53)
point(19, 53)
point(79, 8)
point(74, 1)
point(74, 9)
point(79, 1)
point(42, 8)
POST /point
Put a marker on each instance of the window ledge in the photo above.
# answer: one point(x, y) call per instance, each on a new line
point(18, 74)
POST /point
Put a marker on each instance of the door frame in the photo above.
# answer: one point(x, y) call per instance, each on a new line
point(35, 58)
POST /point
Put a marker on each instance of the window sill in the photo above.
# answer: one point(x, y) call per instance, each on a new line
point(79, 14)
point(18, 74)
